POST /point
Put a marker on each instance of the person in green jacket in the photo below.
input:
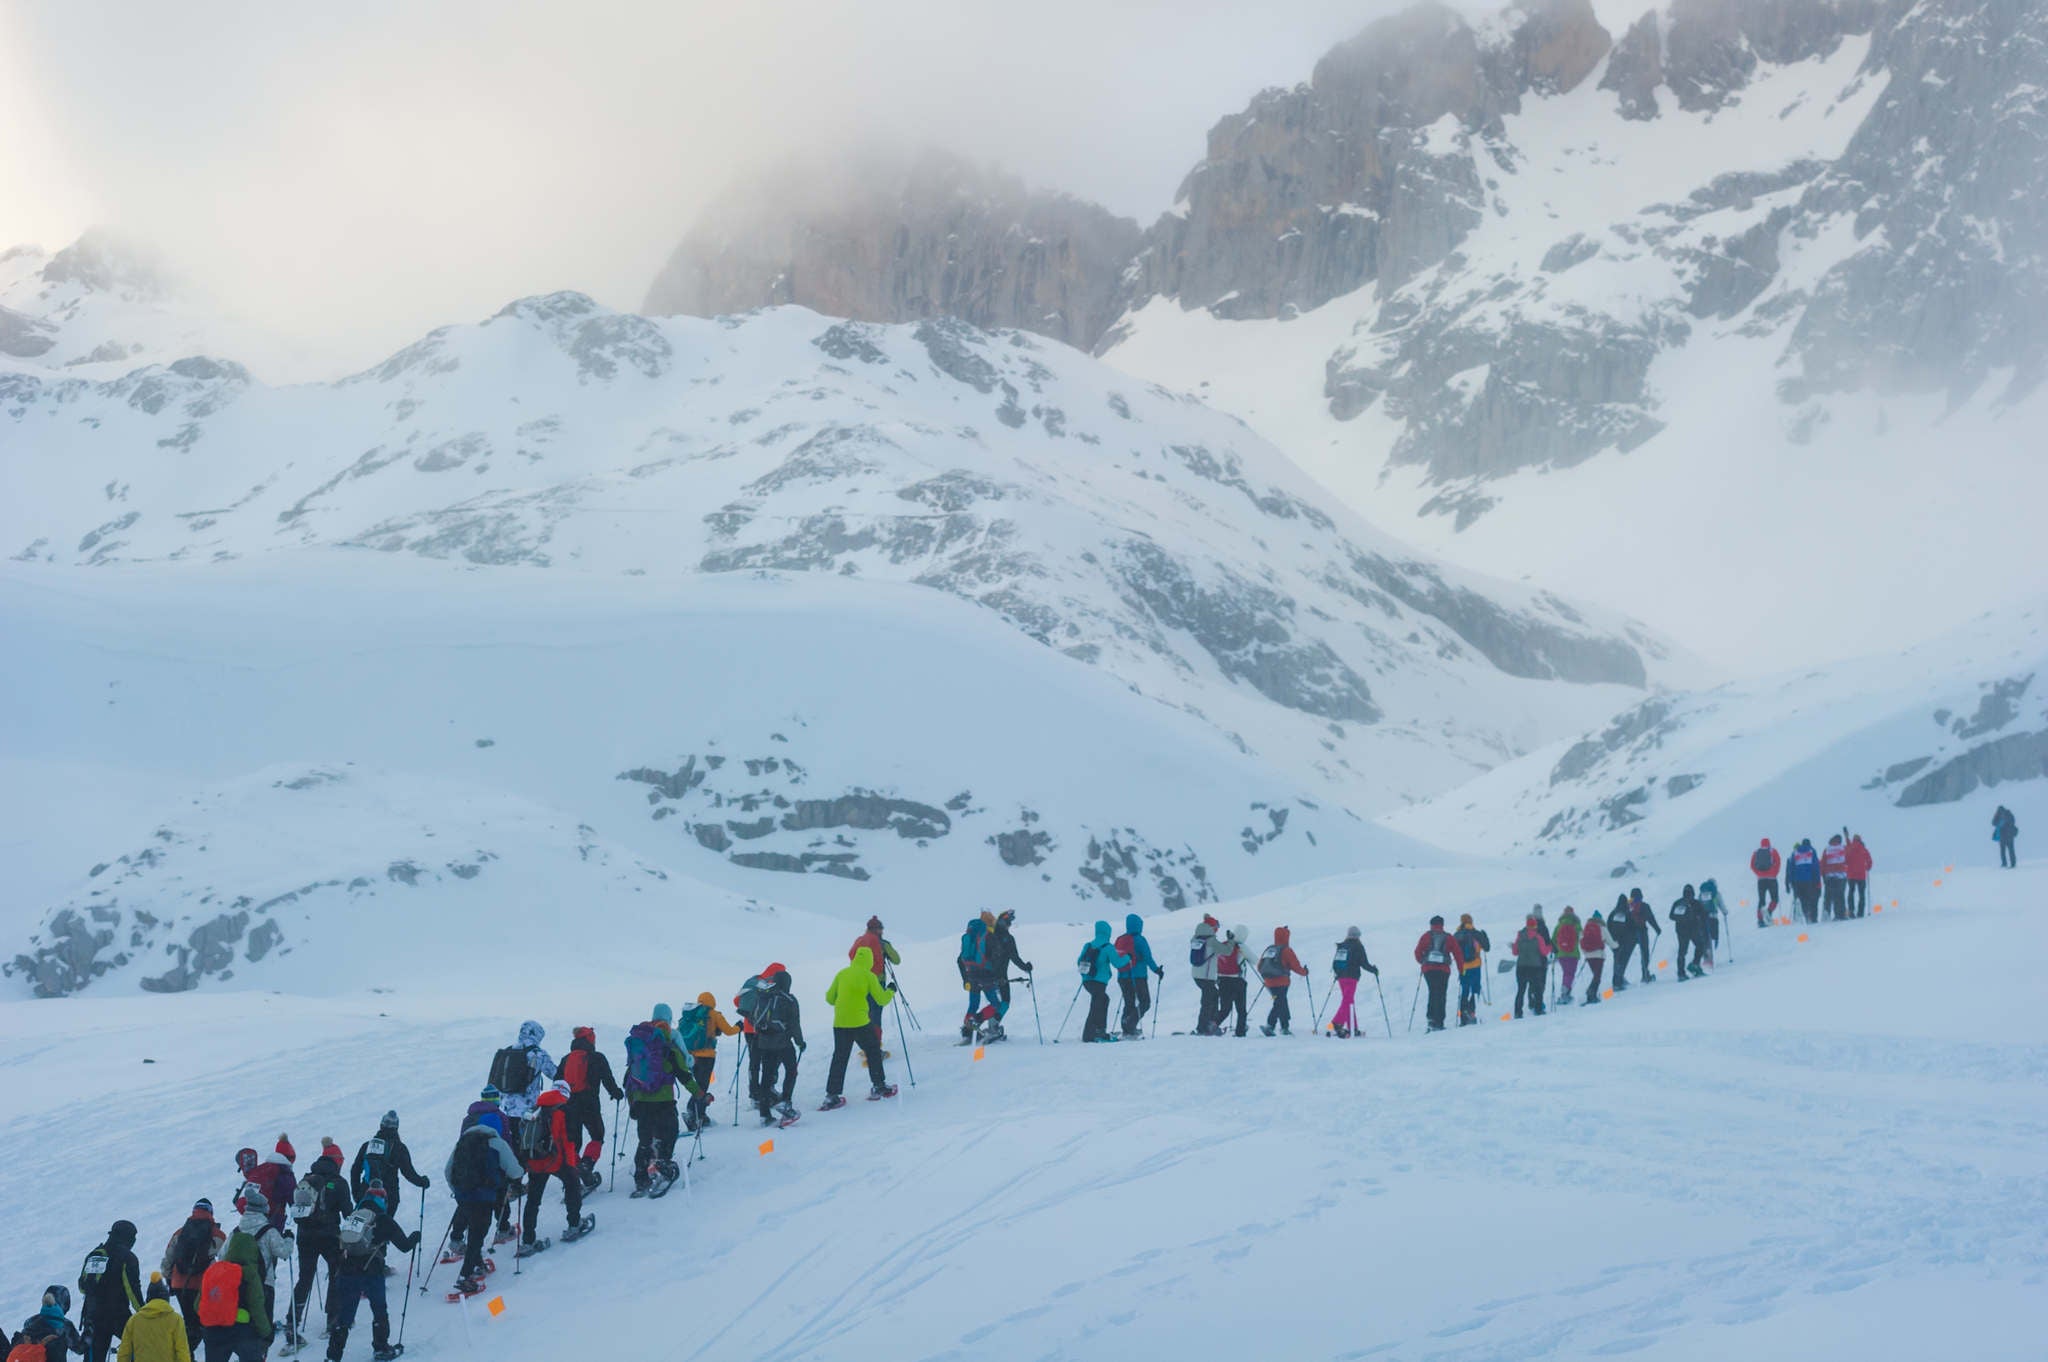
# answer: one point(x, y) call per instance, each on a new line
point(248, 1338)
point(656, 1064)
point(850, 993)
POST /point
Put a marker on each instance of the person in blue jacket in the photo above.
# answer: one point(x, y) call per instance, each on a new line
point(1099, 963)
point(1130, 976)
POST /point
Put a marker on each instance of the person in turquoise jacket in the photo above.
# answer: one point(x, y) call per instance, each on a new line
point(849, 993)
point(1130, 976)
point(1099, 962)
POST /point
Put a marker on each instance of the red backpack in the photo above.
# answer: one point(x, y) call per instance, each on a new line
point(25, 1351)
point(575, 1069)
point(220, 1295)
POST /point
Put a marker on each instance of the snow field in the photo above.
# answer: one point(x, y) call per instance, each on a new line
point(1828, 1145)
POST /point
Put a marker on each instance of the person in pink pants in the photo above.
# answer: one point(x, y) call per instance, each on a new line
point(1349, 966)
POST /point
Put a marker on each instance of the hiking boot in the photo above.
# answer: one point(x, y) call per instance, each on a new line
point(967, 1031)
point(833, 1102)
point(881, 1090)
point(1266, 1030)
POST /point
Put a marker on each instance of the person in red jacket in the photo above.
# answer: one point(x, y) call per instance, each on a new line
point(1765, 863)
point(1278, 965)
point(1437, 953)
point(1859, 876)
point(559, 1161)
point(1593, 950)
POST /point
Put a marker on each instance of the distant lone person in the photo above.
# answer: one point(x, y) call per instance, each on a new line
point(2005, 830)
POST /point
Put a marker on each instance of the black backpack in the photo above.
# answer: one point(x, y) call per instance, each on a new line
point(511, 1070)
point(193, 1249)
point(474, 1168)
point(1270, 967)
point(1760, 862)
point(540, 1135)
point(376, 1163)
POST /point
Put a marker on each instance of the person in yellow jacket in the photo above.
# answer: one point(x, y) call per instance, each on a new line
point(156, 1332)
point(850, 993)
point(705, 1056)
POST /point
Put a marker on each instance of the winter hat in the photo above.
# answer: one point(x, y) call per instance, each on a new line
point(584, 1033)
point(1688, 892)
point(773, 967)
point(1007, 916)
point(560, 1085)
point(1351, 934)
point(203, 1207)
point(705, 999)
point(59, 1296)
point(157, 1290)
point(1241, 932)
point(781, 978)
point(284, 1147)
point(389, 1121)
point(375, 1192)
point(245, 1160)
point(1767, 843)
point(1210, 919)
point(122, 1230)
point(988, 920)
point(330, 1150)
point(663, 1014)
point(254, 1200)
point(874, 924)
point(489, 1094)
point(1464, 919)
point(1437, 921)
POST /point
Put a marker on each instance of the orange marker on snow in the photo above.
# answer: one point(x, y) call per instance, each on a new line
point(1507, 1016)
point(1895, 903)
point(1607, 993)
point(1802, 936)
point(979, 1054)
point(497, 1305)
point(1948, 870)
point(1662, 963)
point(1937, 884)
point(1877, 908)
point(765, 1148)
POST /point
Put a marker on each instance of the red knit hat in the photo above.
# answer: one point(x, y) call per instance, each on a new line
point(773, 969)
point(284, 1147)
point(874, 924)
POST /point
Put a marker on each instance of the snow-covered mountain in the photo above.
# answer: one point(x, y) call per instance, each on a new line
point(1768, 276)
point(914, 614)
point(1911, 750)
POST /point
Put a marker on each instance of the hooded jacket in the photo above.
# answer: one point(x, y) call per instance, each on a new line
point(155, 1334)
point(1202, 952)
point(1621, 930)
point(853, 988)
point(1287, 960)
point(782, 1028)
point(1860, 859)
point(1099, 960)
point(215, 1237)
point(388, 1231)
point(1351, 961)
point(517, 1104)
point(508, 1164)
point(715, 1025)
point(1593, 938)
point(243, 1250)
point(588, 1071)
point(1230, 956)
point(105, 1304)
point(1688, 916)
point(1566, 938)
point(383, 1158)
point(878, 948)
point(977, 956)
point(552, 1108)
point(1642, 917)
point(1135, 949)
point(49, 1327)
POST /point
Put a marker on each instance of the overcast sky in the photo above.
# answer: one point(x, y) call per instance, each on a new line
point(376, 168)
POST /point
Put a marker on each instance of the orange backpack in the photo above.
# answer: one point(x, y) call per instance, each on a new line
point(220, 1295)
point(28, 1352)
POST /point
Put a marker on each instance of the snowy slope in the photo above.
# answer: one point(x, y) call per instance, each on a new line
point(1778, 1161)
point(1709, 351)
point(1130, 529)
point(313, 757)
point(1913, 751)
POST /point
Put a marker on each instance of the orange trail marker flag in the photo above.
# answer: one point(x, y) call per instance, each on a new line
point(1507, 1016)
point(979, 1053)
point(767, 1147)
point(1802, 936)
point(497, 1306)
point(1607, 993)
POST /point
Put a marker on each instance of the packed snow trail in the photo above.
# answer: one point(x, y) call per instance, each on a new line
point(1802, 1152)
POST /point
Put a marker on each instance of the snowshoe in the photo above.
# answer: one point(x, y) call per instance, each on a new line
point(833, 1102)
point(533, 1247)
point(577, 1231)
point(505, 1235)
point(388, 1352)
point(294, 1346)
point(881, 1090)
point(966, 1034)
point(789, 1116)
point(665, 1175)
point(1285, 1032)
point(451, 1258)
point(464, 1288)
point(1436, 1026)
point(592, 1180)
point(640, 1189)
point(1104, 1039)
point(1266, 1031)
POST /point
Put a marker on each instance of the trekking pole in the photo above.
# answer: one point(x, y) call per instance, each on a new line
point(520, 1239)
point(1069, 1017)
point(1158, 1003)
point(439, 1251)
point(897, 989)
point(1413, 1002)
point(1036, 1025)
point(1486, 980)
point(291, 1286)
point(412, 1260)
point(733, 1093)
point(1383, 1007)
point(904, 1040)
point(1315, 1011)
point(618, 1138)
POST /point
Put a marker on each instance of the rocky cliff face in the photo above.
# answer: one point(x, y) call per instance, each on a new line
point(887, 240)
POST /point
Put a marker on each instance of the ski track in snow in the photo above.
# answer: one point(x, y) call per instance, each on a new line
point(1802, 1146)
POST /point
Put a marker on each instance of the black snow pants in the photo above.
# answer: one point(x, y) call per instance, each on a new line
point(1766, 889)
point(1137, 992)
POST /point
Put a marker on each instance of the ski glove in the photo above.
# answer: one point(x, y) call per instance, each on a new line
point(1158, 973)
point(1375, 970)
